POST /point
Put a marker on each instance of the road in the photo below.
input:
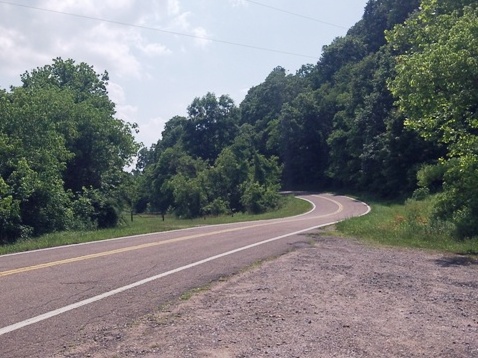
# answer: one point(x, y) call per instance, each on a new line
point(47, 297)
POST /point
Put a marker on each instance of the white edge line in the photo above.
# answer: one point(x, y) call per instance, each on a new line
point(152, 234)
point(79, 304)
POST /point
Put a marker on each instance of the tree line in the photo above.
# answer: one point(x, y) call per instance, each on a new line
point(390, 109)
point(62, 152)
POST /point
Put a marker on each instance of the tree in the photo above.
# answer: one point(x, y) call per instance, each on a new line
point(62, 152)
point(10, 219)
point(211, 126)
point(302, 135)
point(98, 141)
point(436, 88)
point(33, 158)
point(263, 103)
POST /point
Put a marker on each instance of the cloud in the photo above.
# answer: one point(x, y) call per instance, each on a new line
point(202, 37)
point(237, 3)
point(17, 53)
point(181, 22)
point(116, 92)
point(174, 8)
point(87, 7)
point(150, 130)
point(47, 35)
point(154, 49)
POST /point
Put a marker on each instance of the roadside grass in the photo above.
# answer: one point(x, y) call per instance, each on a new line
point(145, 224)
point(186, 296)
point(407, 224)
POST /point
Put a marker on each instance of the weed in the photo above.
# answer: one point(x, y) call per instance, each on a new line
point(144, 224)
point(410, 224)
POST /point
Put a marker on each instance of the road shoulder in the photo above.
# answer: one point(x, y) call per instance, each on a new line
point(337, 298)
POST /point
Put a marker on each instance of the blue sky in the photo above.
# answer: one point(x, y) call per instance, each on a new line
point(155, 72)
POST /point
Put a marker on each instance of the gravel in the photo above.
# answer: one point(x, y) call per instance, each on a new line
point(331, 298)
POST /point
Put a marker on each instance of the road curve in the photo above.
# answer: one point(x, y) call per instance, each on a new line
point(49, 297)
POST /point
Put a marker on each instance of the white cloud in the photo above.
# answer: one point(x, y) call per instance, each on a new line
point(202, 37)
point(154, 49)
point(112, 46)
point(237, 3)
point(150, 130)
point(72, 6)
point(174, 8)
point(127, 112)
point(181, 22)
point(116, 93)
point(88, 7)
point(16, 53)
point(117, 4)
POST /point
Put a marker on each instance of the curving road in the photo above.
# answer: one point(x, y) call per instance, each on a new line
point(49, 297)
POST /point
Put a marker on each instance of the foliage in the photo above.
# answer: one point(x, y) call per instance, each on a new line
point(145, 223)
point(437, 89)
point(59, 142)
point(210, 127)
point(390, 108)
point(408, 224)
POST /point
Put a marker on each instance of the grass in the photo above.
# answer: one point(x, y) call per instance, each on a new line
point(406, 225)
point(186, 296)
point(144, 224)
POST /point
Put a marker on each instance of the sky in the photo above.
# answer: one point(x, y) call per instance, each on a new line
point(161, 54)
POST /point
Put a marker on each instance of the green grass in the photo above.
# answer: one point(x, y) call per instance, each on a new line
point(144, 224)
point(406, 225)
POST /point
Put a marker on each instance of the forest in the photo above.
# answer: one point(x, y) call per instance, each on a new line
point(390, 109)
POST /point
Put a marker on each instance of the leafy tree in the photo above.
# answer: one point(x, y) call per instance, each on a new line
point(263, 103)
point(261, 190)
point(60, 143)
point(189, 196)
point(380, 16)
point(174, 131)
point(98, 141)
point(172, 163)
point(303, 142)
point(33, 158)
point(437, 89)
point(225, 178)
point(211, 126)
point(10, 219)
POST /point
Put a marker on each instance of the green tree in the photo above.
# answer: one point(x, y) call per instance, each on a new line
point(211, 126)
point(33, 158)
point(303, 141)
point(10, 219)
point(62, 152)
point(98, 141)
point(263, 103)
point(437, 90)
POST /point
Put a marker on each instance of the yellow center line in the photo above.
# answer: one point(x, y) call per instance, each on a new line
point(152, 244)
point(113, 252)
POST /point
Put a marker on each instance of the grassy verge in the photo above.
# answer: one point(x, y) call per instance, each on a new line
point(406, 225)
point(144, 224)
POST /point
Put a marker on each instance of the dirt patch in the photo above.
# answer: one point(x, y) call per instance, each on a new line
point(338, 298)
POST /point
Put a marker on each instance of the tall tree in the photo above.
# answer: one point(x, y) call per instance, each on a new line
point(437, 90)
point(211, 126)
point(99, 142)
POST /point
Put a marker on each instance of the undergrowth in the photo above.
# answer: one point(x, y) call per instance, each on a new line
point(410, 224)
point(144, 224)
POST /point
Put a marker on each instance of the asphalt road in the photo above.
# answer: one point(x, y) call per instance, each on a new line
point(48, 297)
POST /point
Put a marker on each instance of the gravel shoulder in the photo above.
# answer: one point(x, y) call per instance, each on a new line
point(333, 298)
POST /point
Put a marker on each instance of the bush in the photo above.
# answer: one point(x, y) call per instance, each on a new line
point(218, 207)
point(258, 199)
